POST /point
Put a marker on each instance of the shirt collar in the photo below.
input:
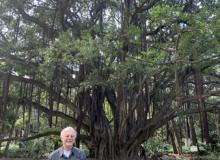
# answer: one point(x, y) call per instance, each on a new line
point(61, 150)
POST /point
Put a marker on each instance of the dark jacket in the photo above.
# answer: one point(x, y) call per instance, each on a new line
point(76, 154)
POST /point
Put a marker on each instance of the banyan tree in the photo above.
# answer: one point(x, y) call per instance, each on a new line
point(116, 70)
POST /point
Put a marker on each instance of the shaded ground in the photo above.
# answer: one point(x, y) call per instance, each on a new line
point(196, 157)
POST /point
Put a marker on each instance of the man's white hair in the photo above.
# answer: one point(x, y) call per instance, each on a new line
point(68, 129)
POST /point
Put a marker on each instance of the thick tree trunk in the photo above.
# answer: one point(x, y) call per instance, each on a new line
point(192, 131)
point(201, 105)
point(38, 111)
point(5, 91)
point(190, 121)
point(218, 124)
point(187, 132)
point(172, 138)
point(3, 104)
point(11, 131)
point(175, 140)
point(29, 126)
point(50, 117)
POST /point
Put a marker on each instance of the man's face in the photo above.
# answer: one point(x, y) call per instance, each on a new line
point(68, 139)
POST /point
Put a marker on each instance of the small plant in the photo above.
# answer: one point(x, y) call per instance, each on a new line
point(157, 145)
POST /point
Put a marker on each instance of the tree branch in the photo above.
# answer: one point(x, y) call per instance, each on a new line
point(43, 134)
point(20, 7)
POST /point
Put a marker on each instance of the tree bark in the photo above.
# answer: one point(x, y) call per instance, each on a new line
point(201, 105)
point(4, 103)
point(218, 124)
point(11, 131)
point(175, 139)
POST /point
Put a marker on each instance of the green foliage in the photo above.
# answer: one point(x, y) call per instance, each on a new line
point(61, 51)
point(166, 14)
point(155, 145)
point(19, 122)
point(132, 33)
point(200, 43)
point(211, 156)
point(35, 148)
point(88, 49)
point(186, 150)
point(107, 110)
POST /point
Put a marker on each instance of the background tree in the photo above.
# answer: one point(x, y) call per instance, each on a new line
point(116, 70)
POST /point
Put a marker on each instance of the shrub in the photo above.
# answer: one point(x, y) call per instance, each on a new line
point(34, 148)
point(155, 145)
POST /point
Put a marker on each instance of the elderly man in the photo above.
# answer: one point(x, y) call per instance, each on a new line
point(67, 151)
